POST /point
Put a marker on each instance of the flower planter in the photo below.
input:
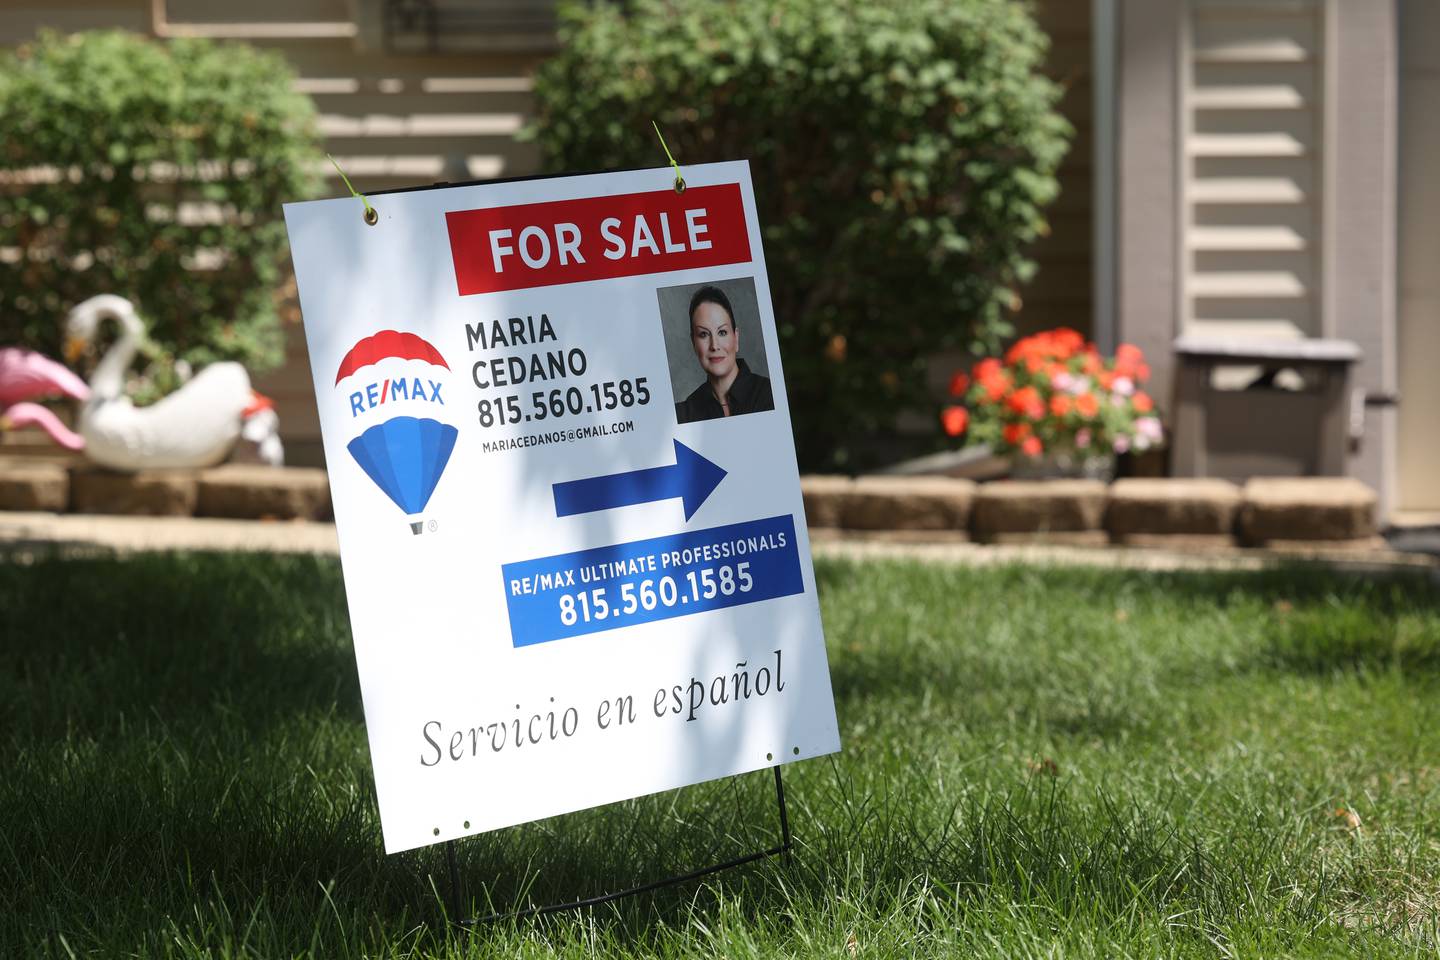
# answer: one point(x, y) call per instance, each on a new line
point(1056, 406)
point(1064, 466)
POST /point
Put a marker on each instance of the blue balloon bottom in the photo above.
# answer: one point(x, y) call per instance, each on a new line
point(405, 456)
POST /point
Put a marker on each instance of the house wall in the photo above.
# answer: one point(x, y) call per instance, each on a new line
point(1062, 291)
point(1147, 176)
point(1361, 271)
point(1418, 428)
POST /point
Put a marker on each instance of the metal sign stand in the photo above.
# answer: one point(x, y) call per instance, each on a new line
point(457, 899)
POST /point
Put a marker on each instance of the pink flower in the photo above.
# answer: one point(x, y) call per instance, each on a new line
point(1150, 429)
point(1082, 439)
point(1123, 386)
point(1078, 385)
point(1063, 380)
point(1122, 444)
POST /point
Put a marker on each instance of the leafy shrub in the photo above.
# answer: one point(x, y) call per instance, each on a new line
point(155, 171)
point(902, 155)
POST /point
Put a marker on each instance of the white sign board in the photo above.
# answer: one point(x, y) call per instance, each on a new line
point(566, 493)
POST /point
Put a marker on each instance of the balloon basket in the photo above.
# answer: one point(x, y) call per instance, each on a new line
point(417, 526)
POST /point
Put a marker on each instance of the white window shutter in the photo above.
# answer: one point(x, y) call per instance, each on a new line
point(1252, 91)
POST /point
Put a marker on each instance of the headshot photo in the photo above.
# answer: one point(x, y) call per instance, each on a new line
point(716, 350)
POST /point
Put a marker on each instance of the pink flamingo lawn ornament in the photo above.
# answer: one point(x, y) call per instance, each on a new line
point(25, 375)
point(33, 415)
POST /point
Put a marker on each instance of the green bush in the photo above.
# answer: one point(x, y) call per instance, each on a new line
point(902, 155)
point(155, 171)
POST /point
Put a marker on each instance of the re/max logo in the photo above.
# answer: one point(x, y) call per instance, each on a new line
point(382, 391)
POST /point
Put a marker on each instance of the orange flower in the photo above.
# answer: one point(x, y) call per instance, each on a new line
point(1106, 379)
point(986, 369)
point(1128, 359)
point(1129, 354)
point(954, 420)
point(1142, 371)
point(1087, 406)
point(1060, 405)
point(1067, 342)
point(1032, 447)
point(1143, 403)
point(996, 387)
point(1026, 402)
point(992, 377)
point(1058, 344)
point(1015, 432)
point(959, 383)
point(1020, 349)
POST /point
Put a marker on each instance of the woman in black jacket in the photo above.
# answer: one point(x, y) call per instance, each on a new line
point(730, 388)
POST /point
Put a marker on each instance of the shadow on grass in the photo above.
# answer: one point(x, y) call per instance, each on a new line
point(98, 645)
point(1334, 637)
point(185, 730)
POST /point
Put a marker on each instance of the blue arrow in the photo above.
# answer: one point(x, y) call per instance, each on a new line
point(692, 478)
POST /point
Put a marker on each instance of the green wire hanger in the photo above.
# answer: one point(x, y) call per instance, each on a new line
point(371, 217)
point(679, 180)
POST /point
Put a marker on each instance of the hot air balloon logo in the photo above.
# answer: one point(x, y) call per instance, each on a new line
point(395, 389)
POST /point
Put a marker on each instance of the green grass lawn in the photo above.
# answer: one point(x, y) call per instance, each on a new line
point(1037, 762)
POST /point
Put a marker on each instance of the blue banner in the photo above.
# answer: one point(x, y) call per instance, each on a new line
point(606, 588)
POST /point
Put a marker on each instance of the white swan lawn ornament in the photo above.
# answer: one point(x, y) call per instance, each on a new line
point(195, 426)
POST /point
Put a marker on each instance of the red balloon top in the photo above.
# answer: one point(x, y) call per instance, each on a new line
point(388, 343)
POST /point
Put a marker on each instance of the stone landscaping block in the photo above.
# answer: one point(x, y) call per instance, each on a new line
point(1052, 538)
point(909, 503)
point(825, 499)
point(1307, 508)
point(1189, 507)
point(1375, 544)
point(34, 486)
point(905, 537)
point(251, 491)
point(157, 493)
point(1037, 506)
point(1178, 541)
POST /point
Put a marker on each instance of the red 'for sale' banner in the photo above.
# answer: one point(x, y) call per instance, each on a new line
point(597, 238)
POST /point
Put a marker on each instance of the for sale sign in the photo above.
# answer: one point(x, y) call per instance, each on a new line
point(565, 488)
